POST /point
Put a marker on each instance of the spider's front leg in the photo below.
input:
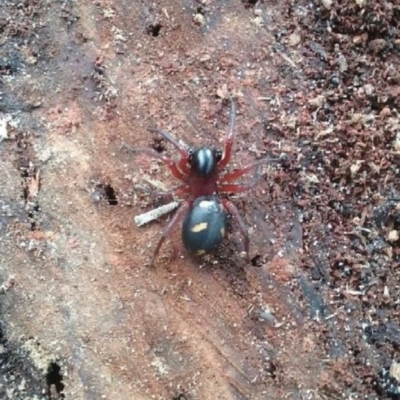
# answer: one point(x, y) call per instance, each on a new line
point(238, 173)
point(181, 147)
point(229, 139)
point(239, 188)
point(175, 170)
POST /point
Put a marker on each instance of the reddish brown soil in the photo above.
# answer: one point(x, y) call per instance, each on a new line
point(315, 315)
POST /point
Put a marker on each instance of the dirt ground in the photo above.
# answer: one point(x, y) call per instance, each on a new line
point(315, 315)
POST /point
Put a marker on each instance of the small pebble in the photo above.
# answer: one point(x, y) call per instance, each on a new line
point(389, 380)
point(327, 4)
point(199, 19)
point(377, 45)
point(393, 236)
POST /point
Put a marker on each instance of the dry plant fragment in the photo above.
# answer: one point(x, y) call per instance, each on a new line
point(3, 127)
point(395, 370)
point(7, 285)
point(34, 186)
point(327, 4)
point(396, 142)
point(223, 92)
point(342, 63)
point(151, 215)
point(294, 39)
point(356, 167)
point(393, 236)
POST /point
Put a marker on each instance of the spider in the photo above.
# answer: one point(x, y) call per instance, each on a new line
point(204, 189)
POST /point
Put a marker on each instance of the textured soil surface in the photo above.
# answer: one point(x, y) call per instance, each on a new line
point(314, 315)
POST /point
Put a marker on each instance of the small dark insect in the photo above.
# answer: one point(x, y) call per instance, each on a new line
point(205, 185)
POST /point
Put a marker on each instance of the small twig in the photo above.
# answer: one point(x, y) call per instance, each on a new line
point(7, 285)
point(151, 215)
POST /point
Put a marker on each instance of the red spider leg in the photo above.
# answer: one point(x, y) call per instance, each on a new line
point(229, 139)
point(182, 148)
point(242, 226)
point(232, 188)
point(237, 173)
point(182, 210)
point(183, 165)
point(166, 160)
point(170, 194)
point(240, 188)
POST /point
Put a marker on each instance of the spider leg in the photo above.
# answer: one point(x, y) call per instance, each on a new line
point(183, 165)
point(181, 147)
point(232, 209)
point(168, 229)
point(237, 173)
point(229, 139)
point(240, 188)
point(166, 160)
point(168, 194)
point(234, 188)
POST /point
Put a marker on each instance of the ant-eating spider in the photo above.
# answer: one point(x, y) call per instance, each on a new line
point(204, 210)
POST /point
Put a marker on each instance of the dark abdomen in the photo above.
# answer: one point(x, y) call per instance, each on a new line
point(204, 226)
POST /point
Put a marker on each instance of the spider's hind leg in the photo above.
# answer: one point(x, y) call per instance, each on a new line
point(182, 210)
point(177, 192)
point(232, 209)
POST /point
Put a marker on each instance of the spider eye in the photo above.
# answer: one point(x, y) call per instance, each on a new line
point(191, 152)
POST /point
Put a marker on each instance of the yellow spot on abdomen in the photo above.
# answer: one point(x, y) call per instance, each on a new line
point(200, 252)
point(200, 227)
point(222, 232)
